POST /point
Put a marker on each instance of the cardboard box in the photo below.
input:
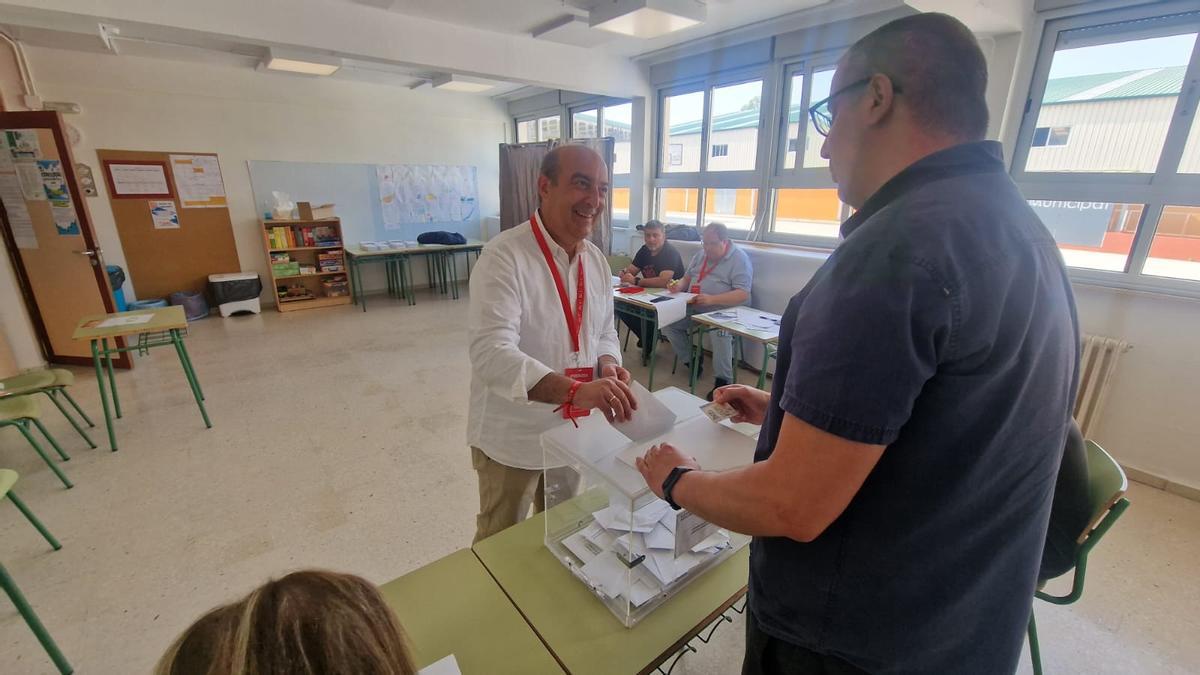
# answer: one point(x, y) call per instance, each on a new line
point(310, 211)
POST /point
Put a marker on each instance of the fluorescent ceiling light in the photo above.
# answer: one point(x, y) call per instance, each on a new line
point(451, 82)
point(297, 62)
point(646, 18)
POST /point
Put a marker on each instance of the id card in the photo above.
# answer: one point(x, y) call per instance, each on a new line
point(584, 375)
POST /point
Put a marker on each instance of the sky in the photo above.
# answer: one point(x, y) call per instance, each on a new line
point(1174, 50)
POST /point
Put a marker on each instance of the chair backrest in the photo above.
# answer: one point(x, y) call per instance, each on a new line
point(619, 262)
point(1106, 486)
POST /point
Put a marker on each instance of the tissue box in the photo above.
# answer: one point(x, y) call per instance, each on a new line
point(630, 548)
point(310, 211)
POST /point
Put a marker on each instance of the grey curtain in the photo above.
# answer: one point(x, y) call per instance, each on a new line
point(519, 167)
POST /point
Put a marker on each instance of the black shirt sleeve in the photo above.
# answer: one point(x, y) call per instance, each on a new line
point(867, 338)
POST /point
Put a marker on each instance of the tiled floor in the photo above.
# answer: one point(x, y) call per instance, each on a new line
point(338, 442)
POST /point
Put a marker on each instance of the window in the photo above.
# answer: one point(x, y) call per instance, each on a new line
point(792, 143)
point(822, 80)
point(677, 206)
point(538, 129)
point(809, 213)
point(1118, 94)
point(619, 197)
point(736, 208)
point(684, 116)
point(1050, 136)
point(584, 124)
point(617, 121)
point(734, 123)
point(1175, 250)
point(1108, 154)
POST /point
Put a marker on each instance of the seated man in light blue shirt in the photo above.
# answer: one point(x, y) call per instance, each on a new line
point(720, 274)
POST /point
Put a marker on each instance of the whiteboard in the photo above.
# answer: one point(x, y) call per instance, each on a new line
point(354, 191)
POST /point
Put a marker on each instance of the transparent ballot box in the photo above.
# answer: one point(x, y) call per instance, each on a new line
point(630, 548)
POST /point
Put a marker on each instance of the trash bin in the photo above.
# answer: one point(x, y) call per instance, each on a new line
point(147, 304)
point(194, 305)
point(116, 279)
point(236, 292)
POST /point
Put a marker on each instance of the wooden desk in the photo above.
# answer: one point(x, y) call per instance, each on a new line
point(163, 320)
point(453, 606)
point(733, 320)
point(578, 629)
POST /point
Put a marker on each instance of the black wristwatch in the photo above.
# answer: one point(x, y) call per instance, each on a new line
point(669, 484)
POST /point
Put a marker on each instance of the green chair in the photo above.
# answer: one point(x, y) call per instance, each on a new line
point(19, 412)
point(52, 382)
point(618, 263)
point(1106, 489)
point(8, 478)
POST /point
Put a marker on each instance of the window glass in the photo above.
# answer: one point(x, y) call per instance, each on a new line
point(618, 124)
point(677, 206)
point(1114, 100)
point(684, 116)
point(735, 118)
point(821, 82)
point(619, 197)
point(734, 207)
point(1175, 251)
point(527, 131)
point(794, 117)
point(584, 123)
point(1091, 235)
point(809, 212)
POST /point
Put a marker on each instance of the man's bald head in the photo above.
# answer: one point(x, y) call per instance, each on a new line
point(553, 161)
point(935, 61)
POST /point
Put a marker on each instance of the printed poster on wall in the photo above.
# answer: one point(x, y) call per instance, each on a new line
point(53, 181)
point(164, 215)
point(65, 222)
point(30, 176)
point(23, 143)
point(18, 215)
point(198, 179)
point(137, 180)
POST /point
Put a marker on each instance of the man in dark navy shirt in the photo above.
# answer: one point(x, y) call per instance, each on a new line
point(903, 479)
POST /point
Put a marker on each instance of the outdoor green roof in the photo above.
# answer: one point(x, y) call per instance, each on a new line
point(1128, 84)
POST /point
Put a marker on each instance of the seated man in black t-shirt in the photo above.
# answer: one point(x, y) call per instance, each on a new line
point(656, 264)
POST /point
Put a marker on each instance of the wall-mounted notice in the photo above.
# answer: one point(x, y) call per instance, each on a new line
point(14, 204)
point(30, 176)
point(164, 215)
point(137, 179)
point(198, 178)
point(53, 181)
point(23, 143)
point(65, 222)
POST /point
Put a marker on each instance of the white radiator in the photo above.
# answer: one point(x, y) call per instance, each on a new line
point(1098, 361)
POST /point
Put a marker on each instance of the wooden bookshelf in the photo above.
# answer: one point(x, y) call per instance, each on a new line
point(302, 242)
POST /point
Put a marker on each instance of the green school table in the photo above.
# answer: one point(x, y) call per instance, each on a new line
point(453, 606)
point(743, 322)
point(164, 327)
point(442, 267)
point(578, 629)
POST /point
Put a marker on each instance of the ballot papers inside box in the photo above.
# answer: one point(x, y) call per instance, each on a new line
point(630, 548)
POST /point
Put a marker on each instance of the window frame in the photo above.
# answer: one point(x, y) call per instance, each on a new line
point(1155, 191)
point(703, 179)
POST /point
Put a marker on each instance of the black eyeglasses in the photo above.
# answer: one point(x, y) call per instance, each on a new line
point(822, 115)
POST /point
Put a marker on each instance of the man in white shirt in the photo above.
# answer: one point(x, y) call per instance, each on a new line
point(543, 342)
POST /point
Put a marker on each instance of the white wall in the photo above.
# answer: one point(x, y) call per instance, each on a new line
point(145, 104)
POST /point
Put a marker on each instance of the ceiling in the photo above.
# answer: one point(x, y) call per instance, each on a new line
point(523, 17)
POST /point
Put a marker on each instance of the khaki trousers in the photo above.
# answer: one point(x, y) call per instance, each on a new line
point(506, 493)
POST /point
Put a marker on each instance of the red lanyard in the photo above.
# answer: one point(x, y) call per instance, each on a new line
point(704, 269)
point(573, 322)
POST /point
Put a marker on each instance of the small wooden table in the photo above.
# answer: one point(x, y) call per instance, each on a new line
point(453, 606)
point(578, 629)
point(163, 320)
point(744, 323)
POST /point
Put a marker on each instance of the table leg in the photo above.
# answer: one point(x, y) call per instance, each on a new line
point(195, 378)
point(358, 286)
point(737, 348)
point(35, 624)
point(762, 372)
point(454, 274)
point(653, 353)
point(190, 374)
point(412, 292)
point(350, 266)
point(108, 422)
point(387, 270)
point(697, 352)
point(112, 381)
point(429, 270)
